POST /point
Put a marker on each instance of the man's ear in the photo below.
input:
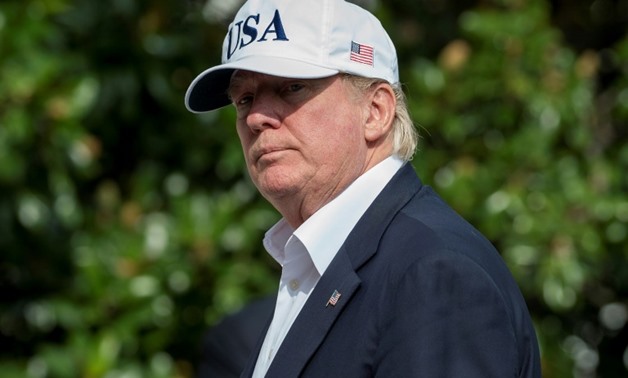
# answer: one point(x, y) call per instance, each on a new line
point(381, 112)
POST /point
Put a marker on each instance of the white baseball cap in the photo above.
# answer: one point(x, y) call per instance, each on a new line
point(303, 39)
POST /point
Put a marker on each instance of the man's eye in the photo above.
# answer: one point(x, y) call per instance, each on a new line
point(295, 87)
point(243, 100)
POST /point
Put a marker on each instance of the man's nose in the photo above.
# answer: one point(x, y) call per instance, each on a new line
point(263, 113)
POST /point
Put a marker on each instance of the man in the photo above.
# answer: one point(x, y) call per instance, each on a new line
point(379, 276)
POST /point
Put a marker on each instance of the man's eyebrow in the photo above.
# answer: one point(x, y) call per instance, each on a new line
point(236, 81)
point(238, 77)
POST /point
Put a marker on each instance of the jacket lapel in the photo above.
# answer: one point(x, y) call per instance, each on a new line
point(316, 318)
point(362, 242)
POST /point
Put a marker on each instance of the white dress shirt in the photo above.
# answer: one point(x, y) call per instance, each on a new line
point(305, 253)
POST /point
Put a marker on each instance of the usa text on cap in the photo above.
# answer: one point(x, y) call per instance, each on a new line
point(296, 39)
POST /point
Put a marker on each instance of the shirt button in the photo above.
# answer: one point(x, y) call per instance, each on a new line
point(294, 284)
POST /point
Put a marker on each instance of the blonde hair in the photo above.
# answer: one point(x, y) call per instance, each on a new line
point(405, 135)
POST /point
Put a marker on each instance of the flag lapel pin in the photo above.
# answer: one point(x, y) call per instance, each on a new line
point(333, 299)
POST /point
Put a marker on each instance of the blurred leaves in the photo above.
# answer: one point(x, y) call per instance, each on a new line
point(128, 226)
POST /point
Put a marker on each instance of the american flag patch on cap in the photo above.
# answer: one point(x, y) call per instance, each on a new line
point(361, 53)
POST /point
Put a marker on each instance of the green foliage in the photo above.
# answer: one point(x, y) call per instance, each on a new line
point(128, 226)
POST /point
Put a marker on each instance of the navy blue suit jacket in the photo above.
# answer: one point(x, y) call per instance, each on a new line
point(423, 294)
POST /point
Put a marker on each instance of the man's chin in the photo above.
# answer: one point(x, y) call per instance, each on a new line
point(276, 183)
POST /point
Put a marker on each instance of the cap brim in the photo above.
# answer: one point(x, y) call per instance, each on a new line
point(208, 91)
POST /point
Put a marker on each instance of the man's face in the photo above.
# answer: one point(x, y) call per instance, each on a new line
point(303, 139)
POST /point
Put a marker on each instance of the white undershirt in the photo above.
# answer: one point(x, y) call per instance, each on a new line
point(305, 253)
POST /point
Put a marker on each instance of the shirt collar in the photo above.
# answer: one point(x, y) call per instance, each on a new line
point(326, 230)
